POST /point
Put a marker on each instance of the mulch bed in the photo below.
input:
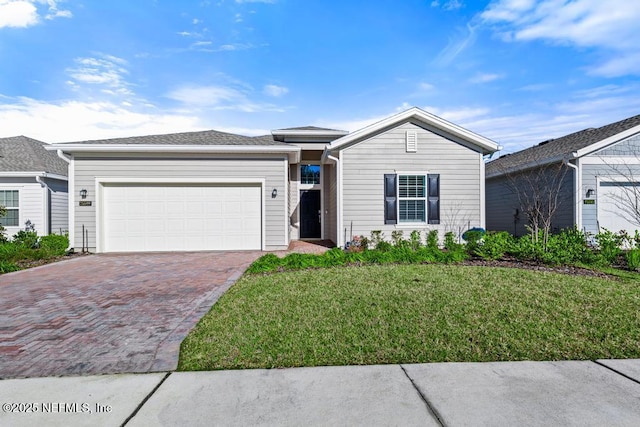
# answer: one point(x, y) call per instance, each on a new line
point(24, 264)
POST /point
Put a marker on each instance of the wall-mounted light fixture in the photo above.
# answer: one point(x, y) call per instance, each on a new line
point(274, 193)
point(590, 192)
point(83, 193)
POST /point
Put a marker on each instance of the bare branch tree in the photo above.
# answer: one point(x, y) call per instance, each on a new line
point(456, 219)
point(626, 174)
point(538, 193)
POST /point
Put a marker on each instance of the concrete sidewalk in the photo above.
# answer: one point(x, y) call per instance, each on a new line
point(604, 392)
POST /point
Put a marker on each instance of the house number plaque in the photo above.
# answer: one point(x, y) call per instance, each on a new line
point(85, 203)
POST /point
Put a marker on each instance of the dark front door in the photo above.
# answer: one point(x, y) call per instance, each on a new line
point(310, 214)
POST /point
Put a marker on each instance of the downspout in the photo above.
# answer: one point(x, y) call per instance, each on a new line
point(46, 204)
point(336, 160)
point(70, 197)
point(577, 183)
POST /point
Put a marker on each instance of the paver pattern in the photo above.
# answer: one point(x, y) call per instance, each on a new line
point(109, 313)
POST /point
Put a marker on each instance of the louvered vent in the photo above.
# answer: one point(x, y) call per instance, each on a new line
point(412, 141)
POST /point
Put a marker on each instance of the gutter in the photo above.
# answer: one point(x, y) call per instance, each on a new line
point(47, 219)
point(577, 183)
point(70, 193)
point(338, 164)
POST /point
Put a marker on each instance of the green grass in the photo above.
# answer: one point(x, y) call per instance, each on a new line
point(415, 314)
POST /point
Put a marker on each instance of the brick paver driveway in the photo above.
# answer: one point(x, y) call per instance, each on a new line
point(108, 313)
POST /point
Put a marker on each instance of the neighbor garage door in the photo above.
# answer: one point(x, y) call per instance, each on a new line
point(614, 198)
point(181, 217)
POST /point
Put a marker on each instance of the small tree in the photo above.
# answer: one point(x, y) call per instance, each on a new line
point(537, 190)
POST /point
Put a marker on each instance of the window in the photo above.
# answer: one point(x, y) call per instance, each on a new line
point(310, 174)
point(412, 198)
point(9, 199)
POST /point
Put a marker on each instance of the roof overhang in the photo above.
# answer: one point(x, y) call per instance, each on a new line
point(29, 174)
point(292, 152)
point(485, 145)
point(606, 142)
point(527, 166)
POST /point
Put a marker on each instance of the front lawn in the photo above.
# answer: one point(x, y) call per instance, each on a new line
point(413, 314)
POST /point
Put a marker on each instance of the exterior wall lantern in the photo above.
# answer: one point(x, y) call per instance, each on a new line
point(274, 193)
point(590, 192)
point(83, 193)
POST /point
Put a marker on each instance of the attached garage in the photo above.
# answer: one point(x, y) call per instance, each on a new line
point(143, 217)
point(615, 201)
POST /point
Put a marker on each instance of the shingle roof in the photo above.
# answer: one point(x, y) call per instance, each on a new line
point(559, 147)
point(303, 128)
point(207, 137)
point(22, 154)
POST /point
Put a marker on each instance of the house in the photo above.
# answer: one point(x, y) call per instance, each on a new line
point(33, 187)
point(212, 190)
point(598, 180)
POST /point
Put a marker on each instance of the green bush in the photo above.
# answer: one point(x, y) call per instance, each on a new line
point(296, 261)
point(415, 240)
point(397, 237)
point(633, 259)
point(8, 267)
point(473, 239)
point(568, 247)
point(432, 240)
point(333, 257)
point(494, 245)
point(609, 246)
point(54, 244)
point(383, 246)
point(266, 263)
point(25, 238)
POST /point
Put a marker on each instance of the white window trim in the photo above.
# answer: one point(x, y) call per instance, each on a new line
point(408, 224)
point(310, 186)
point(18, 208)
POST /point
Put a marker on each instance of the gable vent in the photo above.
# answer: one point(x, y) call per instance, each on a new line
point(412, 141)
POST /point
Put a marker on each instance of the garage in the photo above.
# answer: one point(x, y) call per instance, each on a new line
point(144, 217)
point(614, 202)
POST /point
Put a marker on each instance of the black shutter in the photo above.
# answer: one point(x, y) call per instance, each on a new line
point(390, 199)
point(433, 198)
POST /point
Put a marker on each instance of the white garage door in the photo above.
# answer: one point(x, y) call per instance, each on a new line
point(615, 200)
point(141, 217)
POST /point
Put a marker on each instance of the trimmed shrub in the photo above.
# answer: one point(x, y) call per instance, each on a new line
point(54, 244)
point(266, 263)
point(432, 240)
point(27, 239)
point(608, 246)
point(494, 245)
point(633, 259)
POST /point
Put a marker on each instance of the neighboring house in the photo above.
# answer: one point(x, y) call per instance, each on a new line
point(601, 183)
point(218, 191)
point(33, 187)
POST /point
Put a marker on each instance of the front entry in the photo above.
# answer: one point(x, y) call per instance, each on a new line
point(310, 214)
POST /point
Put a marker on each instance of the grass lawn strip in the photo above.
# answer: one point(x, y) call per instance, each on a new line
point(415, 314)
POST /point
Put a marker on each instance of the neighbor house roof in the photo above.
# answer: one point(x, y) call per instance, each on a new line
point(209, 141)
point(207, 137)
point(554, 150)
point(419, 116)
point(22, 154)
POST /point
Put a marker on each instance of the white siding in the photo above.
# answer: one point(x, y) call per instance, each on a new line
point(330, 203)
point(294, 201)
point(365, 164)
point(269, 168)
point(58, 206)
point(32, 203)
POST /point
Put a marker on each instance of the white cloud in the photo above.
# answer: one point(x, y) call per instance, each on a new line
point(25, 13)
point(18, 14)
point(608, 25)
point(464, 39)
point(220, 98)
point(425, 86)
point(448, 5)
point(104, 70)
point(275, 91)
point(485, 78)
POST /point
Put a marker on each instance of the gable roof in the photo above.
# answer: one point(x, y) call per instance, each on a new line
point(22, 154)
point(417, 115)
point(581, 143)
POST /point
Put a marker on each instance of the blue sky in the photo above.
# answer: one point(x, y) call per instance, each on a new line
point(515, 71)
